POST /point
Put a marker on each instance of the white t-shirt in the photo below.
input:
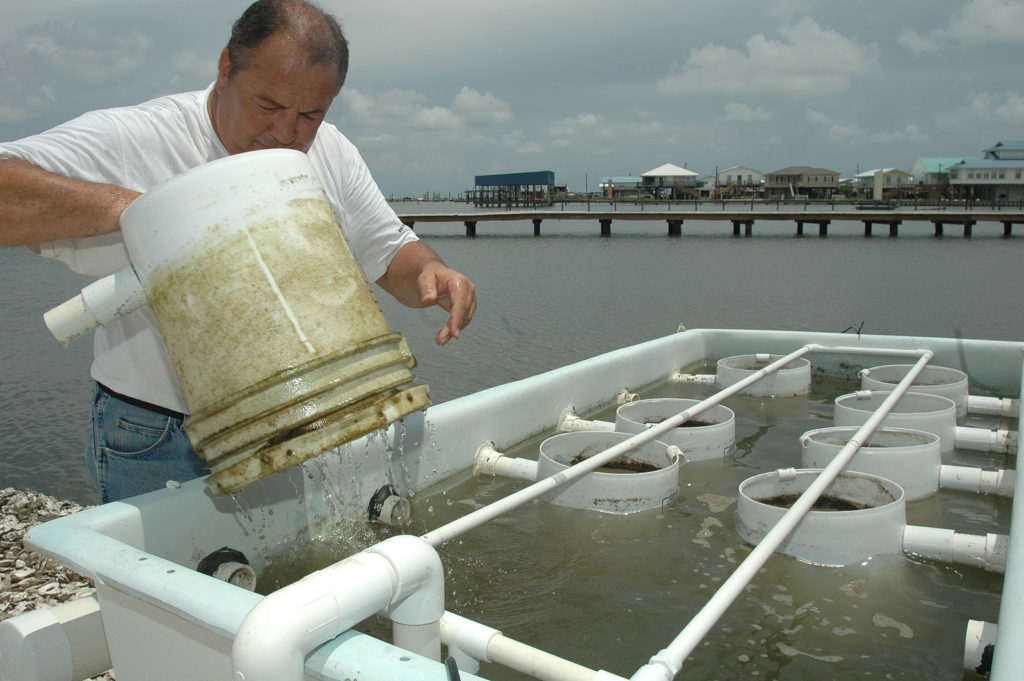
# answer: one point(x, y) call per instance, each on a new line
point(140, 146)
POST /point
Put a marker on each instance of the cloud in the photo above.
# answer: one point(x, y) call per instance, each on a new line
point(481, 108)
point(910, 133)
point(574, 125)
point(838, 131)
point(1006, 106)
point(91, 55)
point(789, 8)
point(531, 147)
point(988, 115)
point(192, 69)
point(22, 102)
point(736, 111)
point(469, 108)
point(436, 118)
point(809, 61)
point(979, 22)
point(382, 140)
point(64, 57)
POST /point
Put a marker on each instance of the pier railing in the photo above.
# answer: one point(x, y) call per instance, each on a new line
point(742, 220)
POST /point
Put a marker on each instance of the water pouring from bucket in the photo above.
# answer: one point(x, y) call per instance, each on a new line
point(280, 348)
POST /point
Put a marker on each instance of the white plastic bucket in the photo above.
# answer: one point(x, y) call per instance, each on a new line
point(792, 379)
point(709, 435)
point(280, 348)
point(910, 458)
point(826, 537)
point(644, 479)
point(933, 380)
point(916, 411)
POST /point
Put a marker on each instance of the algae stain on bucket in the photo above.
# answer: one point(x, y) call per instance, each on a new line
point(280, 348)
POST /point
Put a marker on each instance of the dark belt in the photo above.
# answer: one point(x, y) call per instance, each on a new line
point(142, 405)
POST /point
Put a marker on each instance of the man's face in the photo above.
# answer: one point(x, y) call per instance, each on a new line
point(276, 102)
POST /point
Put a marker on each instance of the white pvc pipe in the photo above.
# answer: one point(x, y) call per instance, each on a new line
point(667, 663)
point(992, 406)
point(422, 639)
point(466, 640)
point(980, 636)
point(1009, 662)
point(541, 487)
point(1000, 482)
point(62, 643)
point(985, 440)
point(489, 461)
point(987, 551)
point(571, 423)
point(487, 644)
point(471, 642)
point(858, 350)
point(402, 575)
point(100, 303)
point(278, 633)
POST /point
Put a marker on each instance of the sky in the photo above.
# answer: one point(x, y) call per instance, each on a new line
point(441, 91)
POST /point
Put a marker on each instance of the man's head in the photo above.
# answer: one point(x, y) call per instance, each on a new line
point(283, 66)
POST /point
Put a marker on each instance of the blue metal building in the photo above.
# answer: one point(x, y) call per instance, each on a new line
point(534, 188)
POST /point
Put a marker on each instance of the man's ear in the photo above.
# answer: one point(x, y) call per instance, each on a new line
point(224, 65)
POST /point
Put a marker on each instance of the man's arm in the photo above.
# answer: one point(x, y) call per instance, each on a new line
point(417, 277)
point(37, 205)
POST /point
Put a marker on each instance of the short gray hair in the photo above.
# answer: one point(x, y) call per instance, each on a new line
point(318, 32)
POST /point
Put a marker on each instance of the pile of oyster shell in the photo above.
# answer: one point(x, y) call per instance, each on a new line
point(29, 580)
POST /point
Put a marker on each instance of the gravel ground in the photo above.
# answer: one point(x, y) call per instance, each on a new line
point(28, 580)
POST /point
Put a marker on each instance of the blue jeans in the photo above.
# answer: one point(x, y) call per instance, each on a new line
point(132, 450)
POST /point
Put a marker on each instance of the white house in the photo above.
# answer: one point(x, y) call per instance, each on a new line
point(934, 169)
point(740, 175)
point(999, 176)
point(878, 180)
point(671, 181)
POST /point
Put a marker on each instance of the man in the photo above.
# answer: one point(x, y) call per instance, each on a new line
point(62, 193)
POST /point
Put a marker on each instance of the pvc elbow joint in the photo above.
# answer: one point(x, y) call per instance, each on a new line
point(402, 575)
point(274, 638)
point(419, 589)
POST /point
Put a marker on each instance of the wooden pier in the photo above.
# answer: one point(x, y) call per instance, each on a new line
point(742, 221)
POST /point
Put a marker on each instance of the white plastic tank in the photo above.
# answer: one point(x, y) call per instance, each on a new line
point(910, 458)
point(933, 380)
point(865, 515)
point(643, 479)
point(792, 379)
point(708, 435)
point(916, 411)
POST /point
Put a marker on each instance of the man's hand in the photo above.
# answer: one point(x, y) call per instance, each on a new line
point(451, 291)
point(417, 277)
